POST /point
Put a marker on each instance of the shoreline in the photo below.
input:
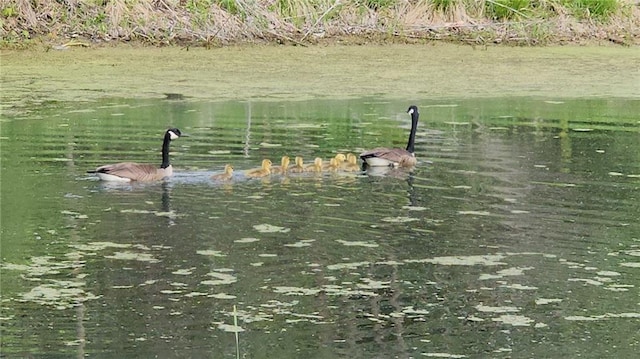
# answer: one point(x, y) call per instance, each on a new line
point(218, 23)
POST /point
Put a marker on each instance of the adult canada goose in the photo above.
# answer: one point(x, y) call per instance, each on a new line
point(351, 165)
point(131, 171)
point(298, 167)
point(263, 171)
point(395, 157)
point(316, 166)
point(224, 176)
point(284, 166)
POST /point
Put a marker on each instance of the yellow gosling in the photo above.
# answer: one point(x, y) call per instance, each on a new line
point(224, 176)
point(316, 166)
point(298, 167)
point(263, 171)
point(351, 165)
point(334, 165)
point(339, 159)
point(284, 166)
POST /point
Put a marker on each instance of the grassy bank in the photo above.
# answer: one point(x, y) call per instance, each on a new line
point(221, 22)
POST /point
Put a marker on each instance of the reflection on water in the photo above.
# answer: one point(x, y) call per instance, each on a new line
point(515, 236)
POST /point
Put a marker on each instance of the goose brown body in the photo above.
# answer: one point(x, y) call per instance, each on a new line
point(389, 157)
point(131, 171)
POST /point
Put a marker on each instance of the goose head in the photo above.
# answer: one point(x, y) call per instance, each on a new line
point(173, 133)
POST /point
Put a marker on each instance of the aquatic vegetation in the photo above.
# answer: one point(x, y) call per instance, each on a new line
point(631, 264)
point(505, 273)
point(357, 243)
point(269, 228)
point(133, 256)
point(210, 252)
point(399, 219)
point(247, 240)
point(220, 278)
point(486, 260)
point(543, 301)
point(183, 271)
point(59, 294)
point(301, 243)
point(515, 320)
point(475, 213)
point(489, 309)
point(443, 355)
point(602, 316)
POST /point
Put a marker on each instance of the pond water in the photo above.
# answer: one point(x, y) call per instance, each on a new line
point(516, 235)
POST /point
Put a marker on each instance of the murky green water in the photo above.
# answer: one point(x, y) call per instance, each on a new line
point(516, 236)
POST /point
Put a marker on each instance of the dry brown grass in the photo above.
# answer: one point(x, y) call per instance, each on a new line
point(212, 23)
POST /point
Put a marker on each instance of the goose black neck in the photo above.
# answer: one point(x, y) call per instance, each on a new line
point(165, 150)
point(412, 134)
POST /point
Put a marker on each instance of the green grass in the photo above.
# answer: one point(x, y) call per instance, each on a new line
point(508, 9)
point(596, 9)
point(378, 4)
point(229, 5)
point(443, 5)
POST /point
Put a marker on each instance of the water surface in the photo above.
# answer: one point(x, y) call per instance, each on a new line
point(515, 236)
